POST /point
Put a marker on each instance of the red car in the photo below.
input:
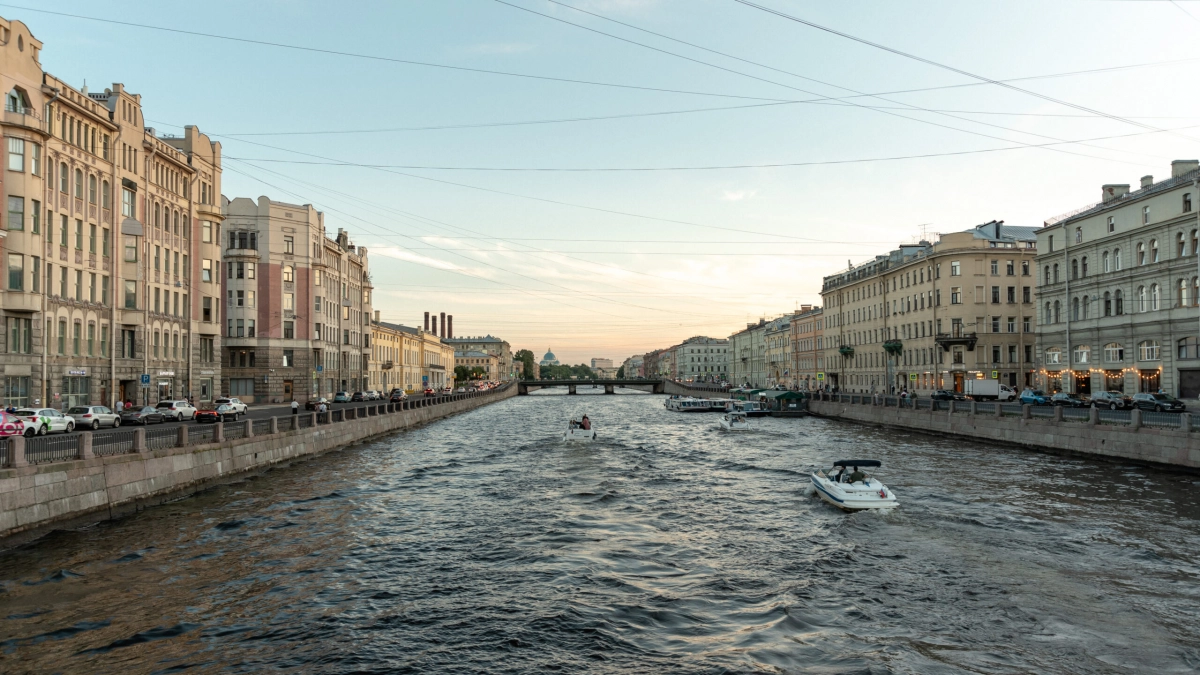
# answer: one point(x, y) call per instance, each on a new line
point(221, 413)
point(428, 391)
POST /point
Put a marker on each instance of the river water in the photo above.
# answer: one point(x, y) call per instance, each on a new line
point(481, 544)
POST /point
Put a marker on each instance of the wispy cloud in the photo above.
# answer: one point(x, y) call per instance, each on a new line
point(738, 195)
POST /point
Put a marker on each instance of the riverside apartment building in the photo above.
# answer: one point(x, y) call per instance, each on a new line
point(929, 316)
point(1119, 290)
point(108, 244)
point(298, 304)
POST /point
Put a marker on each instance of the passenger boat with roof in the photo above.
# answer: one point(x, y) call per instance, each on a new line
point(853, 490)
point(734, 421)
point(751, 408)
point(689, 404)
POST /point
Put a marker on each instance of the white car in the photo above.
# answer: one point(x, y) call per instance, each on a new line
point(234, 403)
point(93, 417)
point(176, 410)
point(46, 420)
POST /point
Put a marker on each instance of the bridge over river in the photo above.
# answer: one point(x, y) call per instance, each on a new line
point(655, 386)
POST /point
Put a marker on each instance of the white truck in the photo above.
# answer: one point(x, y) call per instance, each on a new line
point(988, 390)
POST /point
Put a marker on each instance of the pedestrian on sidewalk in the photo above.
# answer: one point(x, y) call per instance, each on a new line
point(295, 407)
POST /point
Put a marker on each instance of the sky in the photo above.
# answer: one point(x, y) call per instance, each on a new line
point(636, 204)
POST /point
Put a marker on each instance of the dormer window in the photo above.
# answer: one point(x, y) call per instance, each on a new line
point(16, 101)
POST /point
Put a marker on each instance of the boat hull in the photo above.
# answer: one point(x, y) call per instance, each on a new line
point(580, 435)
point(865, 499)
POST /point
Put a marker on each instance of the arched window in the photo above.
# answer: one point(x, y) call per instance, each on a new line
point(288, 274)
point(1153, 250)
point(1083, 354)
point(1106, 262)
point(1119, 300)
point(91, 189)
point(1049, 318)
point(1141, 254)
point(78, 184)
point(1148, 350)
point(1083, 265)
point(1195, 241)
point(16, 101)
point(1074, 309)
point(1057, 310)
point(1085, 306)
point(1186, 348)
point(1114, 352)
point(1107, 303)
point(175, 223)
point(105, 201)
point(1117, 259)
point(1074, 269)
point(1154, 298)
point(63, 178)
point(1181, 245)
point(1056, 273)
point(157, 217)
point(1142, 300)
point(1054, 355)
point(1182, 295)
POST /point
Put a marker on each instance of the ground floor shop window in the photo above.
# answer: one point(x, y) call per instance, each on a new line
point(1083, 382)
point(1114, 380)
point(1149, 381)
point(16, 392)
point(241, 386)
point(75, 391)
point(1054, 382)
point(206, 389)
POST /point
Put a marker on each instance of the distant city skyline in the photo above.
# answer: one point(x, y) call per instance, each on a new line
point(490, 197)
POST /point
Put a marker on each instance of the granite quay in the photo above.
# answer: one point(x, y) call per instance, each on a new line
point(1137, 435)
point(66, 481)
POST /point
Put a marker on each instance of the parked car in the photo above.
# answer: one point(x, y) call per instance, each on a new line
point(11, 425)
point(357, 396)
point(218, 413)
point(314, 403)
point(428, 391)
point(398, 396)
point(460, 390)
point(341, 397)
point(176, 410)
point(93, 417)
point(1034, 397)
point(1158, 402)
point(1113, 400)
point(143, 416)
point(234, 403)
point(46, 420)
point(1062, 398)
point(947, 395)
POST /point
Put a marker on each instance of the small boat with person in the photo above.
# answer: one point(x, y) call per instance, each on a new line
point(849, 488)
point(734, 421)
point(581, 430)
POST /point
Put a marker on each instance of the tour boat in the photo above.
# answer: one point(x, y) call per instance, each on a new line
point(860, 495)
point(751, 408)
point(734, 422)
point(689, 404)
point(580, 434)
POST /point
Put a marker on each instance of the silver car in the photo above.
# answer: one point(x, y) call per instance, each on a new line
point(93, 417)
point(176, 410)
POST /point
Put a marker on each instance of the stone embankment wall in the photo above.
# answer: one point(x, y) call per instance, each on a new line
point(36, 498)
point(673, 388)
point(1087, 432)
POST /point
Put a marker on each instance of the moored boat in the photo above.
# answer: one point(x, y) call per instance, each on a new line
point(853, 490)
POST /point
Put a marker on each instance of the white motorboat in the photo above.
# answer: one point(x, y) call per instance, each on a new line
point(859, 494)
point(579, 434)
point(734, 422)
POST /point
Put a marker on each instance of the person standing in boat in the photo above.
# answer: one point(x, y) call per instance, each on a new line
point(585, 424)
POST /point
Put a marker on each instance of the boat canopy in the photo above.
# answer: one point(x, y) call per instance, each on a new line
point(783, 395)
point(858, 462)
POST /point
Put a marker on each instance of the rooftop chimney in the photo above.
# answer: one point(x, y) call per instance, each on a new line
point(443, 324)
point(1147, 181)
point(435, 325)
point(426, 322)
point(376, 316)
point(450, 326)
point(1111, 192)
point(1182, 166)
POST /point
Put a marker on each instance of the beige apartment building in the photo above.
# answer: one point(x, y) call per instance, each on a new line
point(472, 359)
point(777, 338)
point(929, 316)
point(488, 344)
point(808, 348)
point(409, 358)
point(109, 244)
point(1119, 290)
point(297, 304)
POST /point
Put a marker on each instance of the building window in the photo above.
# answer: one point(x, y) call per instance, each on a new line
point(1153, 250)
point(1082, 354)
point(1187, 348)
point(1056, 273)
point(289, 245)
point(289, 301)
point(1119, 302)
point(16, 272)
point(1112, 225)
point(206, 310)
point(206, 232)
point(1145, 215)
point(955, 268)
point(956, 295)
point(1057, 310)
point(995, 268)
point(16, 154)
point(1107, 303)
point(995, 295)
point(206, 270)
point(62, 337)
point(1025, 294)
point(130, 295)
point(16, 213)
point(131, 249)
point(1105, 262)
point(1054, 355)
point(1141, 254)
point(288, 274)
point(128, 344)
point(1154, 297)
point(1148, 350)
point(289, 330)
point(1078, 235)
point(289, 361)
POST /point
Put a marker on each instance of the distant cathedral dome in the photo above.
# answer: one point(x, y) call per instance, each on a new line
point(549, 359)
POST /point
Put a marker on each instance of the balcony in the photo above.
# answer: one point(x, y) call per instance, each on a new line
point(387, 365)
point(956, 338)
point(20, 301)
point(21, 116)
point(131, 317)
point(241, 253)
